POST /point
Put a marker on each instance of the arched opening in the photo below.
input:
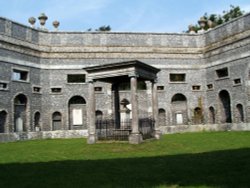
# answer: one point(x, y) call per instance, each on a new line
point(178, 98)
point(37, 117)
point(3, 118)
point(20, 113)
point(77, 112)
point(56, 121)
point(239, 113)
point(162, 117)
point(211, 115)
point(225, 107)
point(179, 109)
point(198, 116)
point(98, 115)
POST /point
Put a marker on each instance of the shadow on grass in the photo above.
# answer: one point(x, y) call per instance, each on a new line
point(230, 168)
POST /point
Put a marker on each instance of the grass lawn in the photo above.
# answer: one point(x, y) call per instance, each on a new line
point(216, 159)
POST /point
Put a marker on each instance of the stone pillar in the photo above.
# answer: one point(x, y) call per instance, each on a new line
point(8, 26)
point(149, 98)
point(91, 114)
point(117, 106)
point(135, 137)
point(157, 132)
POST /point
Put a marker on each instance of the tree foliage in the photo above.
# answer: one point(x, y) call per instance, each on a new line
point(104, 28)
point(218, 19)
point(101, 28)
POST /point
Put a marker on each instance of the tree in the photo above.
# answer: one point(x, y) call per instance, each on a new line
point(104, 28)
point(101, 28)
point(234, 12)
point(218, 19)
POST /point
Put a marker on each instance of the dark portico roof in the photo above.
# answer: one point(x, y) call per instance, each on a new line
point(121, 65)
point(115, 72)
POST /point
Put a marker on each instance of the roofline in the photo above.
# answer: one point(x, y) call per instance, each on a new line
point(132, 63)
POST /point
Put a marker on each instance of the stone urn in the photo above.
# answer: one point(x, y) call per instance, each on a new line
point(191, 29)
point(210, 24)
point(202, 22)
point(42, 18)
point(32, 21)
point(56, 24)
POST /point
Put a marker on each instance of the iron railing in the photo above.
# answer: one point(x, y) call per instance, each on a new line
point(147, 127)
point(109, 129)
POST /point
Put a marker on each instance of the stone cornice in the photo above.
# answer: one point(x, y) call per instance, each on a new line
point(57, 45)
point(77, 51)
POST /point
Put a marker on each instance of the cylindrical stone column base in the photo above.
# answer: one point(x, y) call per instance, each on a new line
point(135, 138)
point(157, 134)
point(91, 139)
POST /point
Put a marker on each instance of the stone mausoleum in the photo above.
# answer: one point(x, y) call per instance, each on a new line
point(56, 84)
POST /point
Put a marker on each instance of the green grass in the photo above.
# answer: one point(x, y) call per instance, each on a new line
point(217, 159)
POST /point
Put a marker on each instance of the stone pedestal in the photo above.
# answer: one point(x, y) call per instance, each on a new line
point(157, 134)
point(91, 139)
point(135, 138)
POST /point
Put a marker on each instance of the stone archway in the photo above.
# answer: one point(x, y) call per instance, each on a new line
point(37, 118)
point(211, 115)
point(162, 117)
point(225, 107)
point(179, 109)
point(239, 113)
point(98, 115)
point(198, 117)
point(3, 119)
point(20, 113)
point(56, 121)
point(77, 113)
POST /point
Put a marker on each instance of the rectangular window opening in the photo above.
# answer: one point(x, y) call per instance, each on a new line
point(237, 81)
point(98, 89)
point(177, 77)
point(196, 87)
point(210, 86)
point(3, 86)
point(221, 73)
point(76, 78)
point(56, 90)
point(36, 89)
point(160, 88)
point(20, 75)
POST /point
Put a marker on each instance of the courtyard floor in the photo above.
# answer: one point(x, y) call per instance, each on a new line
point(207, 159)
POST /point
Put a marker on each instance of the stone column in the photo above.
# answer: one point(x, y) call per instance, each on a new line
point(149, 99)
point(117, 106)
point(135, 137)
point(157, 132)
point(8, 25)
point(91, 114)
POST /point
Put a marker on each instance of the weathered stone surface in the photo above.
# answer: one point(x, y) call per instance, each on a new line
point(11, 137)
point(48, 57)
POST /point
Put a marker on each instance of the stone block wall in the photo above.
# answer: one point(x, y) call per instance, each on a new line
point(49, 57)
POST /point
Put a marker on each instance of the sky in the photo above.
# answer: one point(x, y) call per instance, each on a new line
point(171, 16)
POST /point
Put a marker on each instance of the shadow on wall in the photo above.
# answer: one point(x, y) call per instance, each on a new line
point(228, 168)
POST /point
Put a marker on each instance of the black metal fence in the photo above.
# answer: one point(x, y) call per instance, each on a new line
point(109, 129)
point(146, 127)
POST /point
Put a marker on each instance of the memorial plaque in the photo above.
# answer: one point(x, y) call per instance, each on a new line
point(179, 119)
point(77, 116)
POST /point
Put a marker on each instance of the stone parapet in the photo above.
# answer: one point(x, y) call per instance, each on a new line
point(206, 127)
point(11, 137)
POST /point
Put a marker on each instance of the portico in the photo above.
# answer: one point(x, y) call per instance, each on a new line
point(115, 73)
